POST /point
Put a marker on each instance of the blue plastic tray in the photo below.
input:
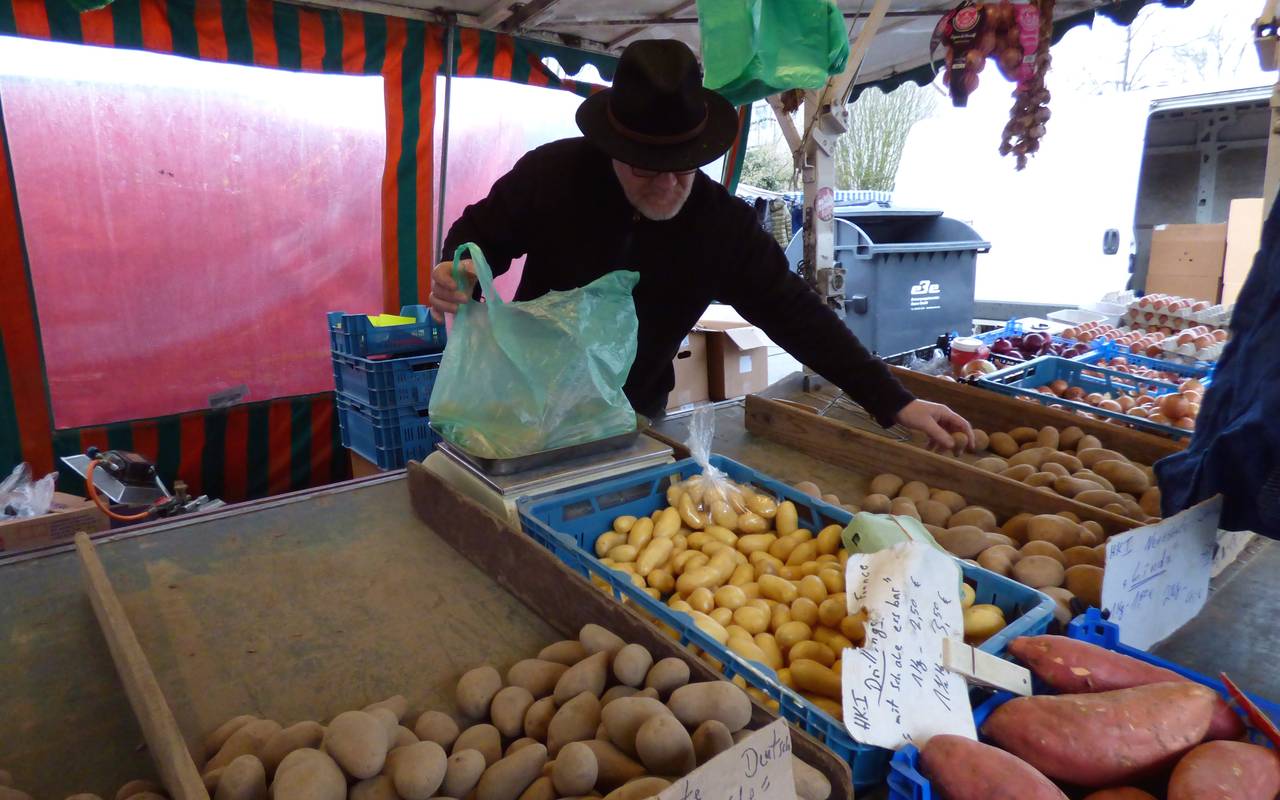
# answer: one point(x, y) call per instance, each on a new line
point(569, 522)
point(1021, 380)
point(354, 335)
point(389, 383)
point(1108, 350)
point(389, 438)
point(905, 780)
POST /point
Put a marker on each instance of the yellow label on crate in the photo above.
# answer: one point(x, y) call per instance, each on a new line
point(387, 320)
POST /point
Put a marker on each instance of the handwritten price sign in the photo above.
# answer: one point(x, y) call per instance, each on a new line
point(1157, 577)
point(897, 691)
point(757, 768)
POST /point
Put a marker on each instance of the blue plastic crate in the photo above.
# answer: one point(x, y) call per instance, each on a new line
point(1021, 380)
point(389, 438)
point(905, 780)
point(355, 335)
point(389, 383)
point(1015, 328)
point(1108, 350)
point(568, 523)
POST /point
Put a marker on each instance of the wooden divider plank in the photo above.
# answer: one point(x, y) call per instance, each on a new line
point(168, 749)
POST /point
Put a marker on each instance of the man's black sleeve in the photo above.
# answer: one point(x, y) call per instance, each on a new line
point(757, 281)
point(499, 223)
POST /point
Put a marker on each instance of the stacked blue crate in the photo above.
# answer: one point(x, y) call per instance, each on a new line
point(383, 376)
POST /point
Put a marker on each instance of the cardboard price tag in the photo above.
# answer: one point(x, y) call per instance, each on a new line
point(1157, 576)
point(757, 768)
point(897, 687)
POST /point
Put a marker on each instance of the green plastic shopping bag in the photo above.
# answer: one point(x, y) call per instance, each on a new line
point(755, 48)
point(522, 378)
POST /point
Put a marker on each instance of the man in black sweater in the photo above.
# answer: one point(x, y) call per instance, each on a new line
point(629, 195)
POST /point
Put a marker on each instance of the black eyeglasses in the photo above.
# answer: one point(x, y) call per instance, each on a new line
point(653, 173)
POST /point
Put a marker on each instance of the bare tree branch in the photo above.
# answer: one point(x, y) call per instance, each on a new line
point(867, 157)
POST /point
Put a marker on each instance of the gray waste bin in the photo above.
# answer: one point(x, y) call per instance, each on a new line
point(909, 274)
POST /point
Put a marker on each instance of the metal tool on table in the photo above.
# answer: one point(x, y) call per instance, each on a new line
point(129, 479)
point(497, 483)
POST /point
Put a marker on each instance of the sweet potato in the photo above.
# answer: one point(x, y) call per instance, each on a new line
point(1123, 793)
point(1226, 771)
point(967, 770)
point(1104, 739)
point(1073, 667)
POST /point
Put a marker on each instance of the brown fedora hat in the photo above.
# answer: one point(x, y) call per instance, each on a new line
point(658, 116)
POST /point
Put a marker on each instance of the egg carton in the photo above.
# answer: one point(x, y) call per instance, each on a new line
point(1190, 352)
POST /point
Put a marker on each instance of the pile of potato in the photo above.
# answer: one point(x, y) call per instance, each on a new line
point(1073, 464)
point(588, 717)
point(1118, 727)
point(772, 592)
point(1055, 553)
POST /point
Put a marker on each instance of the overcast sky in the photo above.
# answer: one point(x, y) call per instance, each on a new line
point(1163, 41)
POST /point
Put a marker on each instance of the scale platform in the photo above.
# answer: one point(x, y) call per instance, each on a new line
point(499, 493)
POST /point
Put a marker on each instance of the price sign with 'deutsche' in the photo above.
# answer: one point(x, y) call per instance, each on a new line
point(756, 768)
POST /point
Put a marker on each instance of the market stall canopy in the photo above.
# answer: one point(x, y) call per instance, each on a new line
point(900, 51)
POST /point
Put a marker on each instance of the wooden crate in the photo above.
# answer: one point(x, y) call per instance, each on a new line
point(323, 601)
point(868, 454)
point(993, 412)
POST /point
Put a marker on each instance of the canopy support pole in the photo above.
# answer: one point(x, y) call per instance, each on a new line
point(826, 117)
point(438, 243)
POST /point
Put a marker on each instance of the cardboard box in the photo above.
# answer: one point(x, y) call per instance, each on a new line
point(1187, 260)
point(737, 359)
point(1244, 235)
point(69, 515)
point(690, 366)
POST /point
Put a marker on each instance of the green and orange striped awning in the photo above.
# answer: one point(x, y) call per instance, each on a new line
point(291, 443)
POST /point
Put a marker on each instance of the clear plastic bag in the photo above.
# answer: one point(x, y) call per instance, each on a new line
point(526, 377)
point(22, 497)
point(936, 364)
point(710, 498)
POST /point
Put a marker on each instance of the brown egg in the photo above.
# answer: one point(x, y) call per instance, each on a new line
point(1138, 411)
point(1153, 350)
point(1203, 341)
point(1093, 398)
point(1073, 393)
point(1059, 386)
point(1186, 423)
point(1125, 402)
point(1219, 335)
point(1110, 405)
point(1185, 337)
point(1173, 406)
point(1160, 419)
point(1200, 306)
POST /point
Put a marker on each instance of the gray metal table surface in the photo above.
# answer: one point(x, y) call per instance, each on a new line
point(1235, 633)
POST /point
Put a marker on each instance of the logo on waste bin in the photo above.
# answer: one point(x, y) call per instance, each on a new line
point(926, 296)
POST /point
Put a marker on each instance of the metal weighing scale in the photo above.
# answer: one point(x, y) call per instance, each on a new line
point(499, 492)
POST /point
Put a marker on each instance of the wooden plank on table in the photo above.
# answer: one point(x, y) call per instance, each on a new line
point(992, 411)
point(843, 445)
point(164, 739)
point(567, 601)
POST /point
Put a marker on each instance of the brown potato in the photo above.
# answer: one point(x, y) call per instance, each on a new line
point(981, 441)
point(1019, 473)
point(1039, 479)
point(1085, 582)
point(1150, 501)
point(1090, 475)
point(974, 515)
point(1081, 555)
point(1070, 487)
point(999, 559)
point(1034, 456)
point(1087, 442)
point(1002, 444)
point(887, 484)
point(933, 512)
point(1069, 437)
point(904, 507)
point(1041, 548)
point(915, 491)
point(1123, 475)
point(1024, 435)
point(991, 464)
point(1038, 571)
point(876, 504)
point(1055, 468)
point(1059, 531)
point(1070, 462)
point(964, 541)
point(1016, 527)
point(1093, 456)
point(1048, 437)
point(953, 501)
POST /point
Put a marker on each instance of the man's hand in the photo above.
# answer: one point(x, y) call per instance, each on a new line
point(445, 295)
point(937, 422)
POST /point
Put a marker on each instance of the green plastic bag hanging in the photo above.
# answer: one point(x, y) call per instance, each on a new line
point(755, 48)
point(522, 378)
